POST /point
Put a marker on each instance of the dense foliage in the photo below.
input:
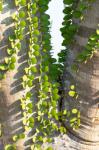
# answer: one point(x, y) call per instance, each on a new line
point(41, 79)
point(31, 19)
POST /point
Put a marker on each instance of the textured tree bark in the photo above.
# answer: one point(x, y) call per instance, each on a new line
point(87, 86)
point(86, 81)
point(10, 87)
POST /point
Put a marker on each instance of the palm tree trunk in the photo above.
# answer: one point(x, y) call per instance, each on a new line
point(86, 81)
point(87, 86)
point(10, 87)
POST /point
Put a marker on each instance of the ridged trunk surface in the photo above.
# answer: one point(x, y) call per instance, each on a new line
point(86, 81)
point(10, 87)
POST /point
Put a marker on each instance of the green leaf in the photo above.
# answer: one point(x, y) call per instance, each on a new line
point(35, 25)
point(22, 23)
point(10, 147)
point(36, 32)
point(18, 45)
point(37, 147)
point(34, 11)
point(64, 112)
point(62, 129)
point(44, 139)
point(35, 19)
point(82, 7)
point(27, 129)
point(3, 67)
point(12, 38)
point(24, 121)
point(37, 130)
point(21, 136)
point(49, 148)
point(28, 95)
point(25, 78)
point(40, 138)
point(32, 147)
point(34, 139)
point(46, 68)
point(72, 87)
point(31, 119)
point(45, 77)
point(36, 53)
point(20, 36)
point(33, 69)
point(46, 89)
point(55, 91)
point(14, 16)
point(39, 113)
point(10, 51)
point(31, 77)
point(46, 84)
point(36, 47)
point(26, 70)
point(72, 93)
point(49, 140)
point(53, 112)
point(15, 138)
point(23, 2)
point(44, 104)
point(30, 111)
point(21, 14)
point(34, 6)
point(13, 59)
point(2, 76)
point(35, 39)
point(68, 2)
point(23, 106)
point(97, 31)
point(67, 10)
point(6, 60)
point(73, 120)
point(56, 97)
point(30, 105)
point(77, 14)
point(74, 111)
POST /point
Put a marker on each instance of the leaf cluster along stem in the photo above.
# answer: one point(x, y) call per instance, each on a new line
point(48, 92)
point(89, 50)
point(15, 41)
point(31, 71)
point(73, 12)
